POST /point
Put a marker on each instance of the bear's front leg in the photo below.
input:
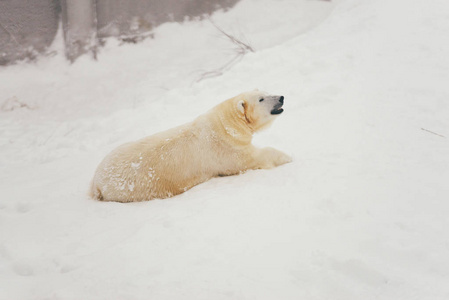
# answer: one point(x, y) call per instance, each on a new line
point(267, 158)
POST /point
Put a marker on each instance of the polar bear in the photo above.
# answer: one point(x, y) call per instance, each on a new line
point(217, 143)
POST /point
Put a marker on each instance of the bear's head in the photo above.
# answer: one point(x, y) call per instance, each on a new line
point(259, 108)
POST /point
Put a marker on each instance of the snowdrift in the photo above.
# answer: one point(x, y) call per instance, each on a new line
point(361, 213)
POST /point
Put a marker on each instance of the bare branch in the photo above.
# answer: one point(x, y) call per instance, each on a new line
point(233, 39)
point(241, 50)
point(433, 132)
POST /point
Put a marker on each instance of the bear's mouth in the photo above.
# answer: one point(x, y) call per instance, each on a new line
point(277, 109)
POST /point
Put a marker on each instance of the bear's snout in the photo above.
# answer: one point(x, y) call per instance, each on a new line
point(277, 106)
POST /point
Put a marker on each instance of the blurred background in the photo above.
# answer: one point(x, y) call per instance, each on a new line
point(28, 27)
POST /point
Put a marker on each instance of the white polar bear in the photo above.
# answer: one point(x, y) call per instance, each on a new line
point(169, 163)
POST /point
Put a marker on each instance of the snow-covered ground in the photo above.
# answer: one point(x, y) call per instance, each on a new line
point(361, 213)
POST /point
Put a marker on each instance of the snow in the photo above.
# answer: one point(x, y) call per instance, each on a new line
point(361, 213)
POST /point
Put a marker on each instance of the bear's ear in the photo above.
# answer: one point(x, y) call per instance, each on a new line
point(241, 106)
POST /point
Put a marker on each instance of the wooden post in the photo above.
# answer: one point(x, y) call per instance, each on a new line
point(80, 27)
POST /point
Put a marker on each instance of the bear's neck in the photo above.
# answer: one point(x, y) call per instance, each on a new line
point(234, 126)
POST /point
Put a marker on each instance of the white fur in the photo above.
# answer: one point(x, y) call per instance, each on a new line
point(217, 143)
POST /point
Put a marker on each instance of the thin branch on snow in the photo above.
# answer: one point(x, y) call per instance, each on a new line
point(241, 50)
point(433, 132)
point(243, 47)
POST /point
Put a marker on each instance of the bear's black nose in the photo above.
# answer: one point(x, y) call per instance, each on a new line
point(281, 99)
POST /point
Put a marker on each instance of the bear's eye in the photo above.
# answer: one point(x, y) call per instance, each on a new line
point(261, 100)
